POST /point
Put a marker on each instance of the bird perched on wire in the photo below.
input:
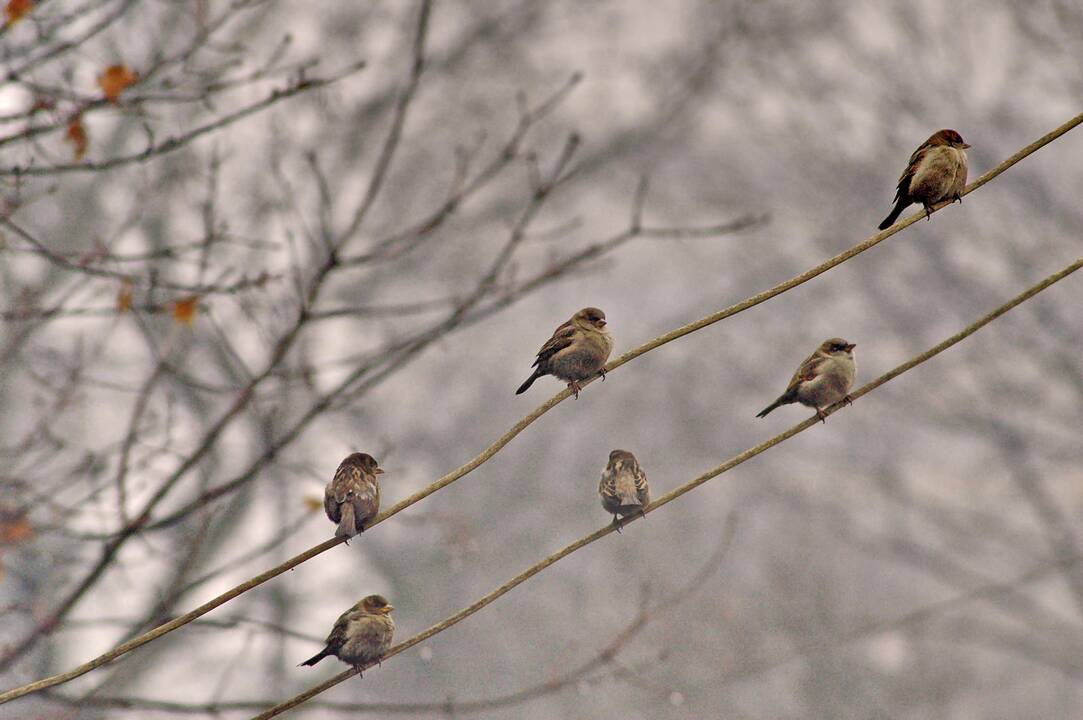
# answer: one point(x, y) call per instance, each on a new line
point(361, 635)
point(352, 498)
point(823, 379)
point(623, 488)
point(936, 171)
point(577, 351)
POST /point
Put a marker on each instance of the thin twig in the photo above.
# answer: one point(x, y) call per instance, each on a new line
point(179, 141)
point(398, 121)
point(278, 353)
point(151, 282)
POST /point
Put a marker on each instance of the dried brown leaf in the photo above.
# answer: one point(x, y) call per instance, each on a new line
point(16, 10)
point(185, 311)
point(77, 137)
point(124, 298)
point(15, 529)
point(115, 79)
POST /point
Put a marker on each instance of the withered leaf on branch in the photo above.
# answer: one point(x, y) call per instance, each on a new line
point(14, 527)
point(184, 311)
point(115, 79)
point(124, 298)
point(16, 10)
point(76, 135)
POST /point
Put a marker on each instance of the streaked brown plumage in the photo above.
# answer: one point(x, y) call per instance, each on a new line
point(361, 635)
point(623, 488)
point(824, 378)
point(936, 171)
point(577, 351)
point(352, 498)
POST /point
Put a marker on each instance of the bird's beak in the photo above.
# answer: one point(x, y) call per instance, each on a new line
point(386, 609)
point(378, 471)
point(850, 347)
point(601, 323)
point(966, 145)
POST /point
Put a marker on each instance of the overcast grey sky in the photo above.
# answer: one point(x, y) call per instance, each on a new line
point(836, 596)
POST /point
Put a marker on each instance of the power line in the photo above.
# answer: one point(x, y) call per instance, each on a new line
point(503, 440)
point(677, 492)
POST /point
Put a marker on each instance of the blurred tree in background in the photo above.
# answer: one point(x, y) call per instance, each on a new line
point(243, 239)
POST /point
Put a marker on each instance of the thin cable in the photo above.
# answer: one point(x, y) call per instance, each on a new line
point(675, 493)
point(507, 437)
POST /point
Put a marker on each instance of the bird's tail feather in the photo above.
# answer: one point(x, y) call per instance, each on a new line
point(777, 403)
point(316, 658)
point(347, 526)
point(529, 381)
point(894, 214)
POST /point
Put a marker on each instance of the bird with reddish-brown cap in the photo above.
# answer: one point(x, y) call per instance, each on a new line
point(936, 171)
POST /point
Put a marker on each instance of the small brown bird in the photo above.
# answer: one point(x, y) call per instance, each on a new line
point(352, 498)
point(361, 634)
point(936, 171)
point(823, 379)
point(577, 351)
point(623, 488)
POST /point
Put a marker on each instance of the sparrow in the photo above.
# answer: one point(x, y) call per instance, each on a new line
point(360, 635)
point(936, 171)
point(823, 379)
point(577, 351)
point(623, 488)
point(352, 498)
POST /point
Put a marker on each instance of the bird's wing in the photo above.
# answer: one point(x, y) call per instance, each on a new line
point(365, 498)
point(366, 491)
point(331, 506)
point(608, 485)
point(808, 371)
point(642, 490)
point(911, 169)
point(337, 636)
point(562, 338)
point(347, 481)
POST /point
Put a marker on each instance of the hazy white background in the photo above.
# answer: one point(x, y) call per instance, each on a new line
point(963, 472)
